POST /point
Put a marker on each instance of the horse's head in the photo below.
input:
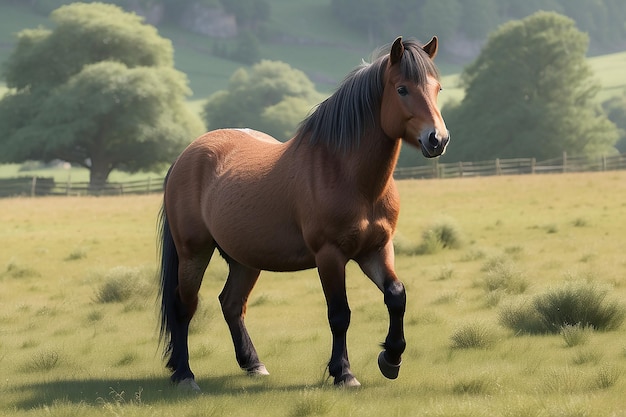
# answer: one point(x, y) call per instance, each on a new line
point(409, 105)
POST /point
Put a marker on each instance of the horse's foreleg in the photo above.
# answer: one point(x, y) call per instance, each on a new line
point(379, 268)
point(331, 267)
point(234, 299)
point(390, 359)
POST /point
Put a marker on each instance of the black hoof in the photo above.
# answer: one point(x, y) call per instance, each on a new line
point(388, 369)
point(347, 382)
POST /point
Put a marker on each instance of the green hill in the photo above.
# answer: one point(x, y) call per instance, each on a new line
point(311, 39)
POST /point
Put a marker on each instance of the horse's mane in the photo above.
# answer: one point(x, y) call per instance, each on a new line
point(341, 120)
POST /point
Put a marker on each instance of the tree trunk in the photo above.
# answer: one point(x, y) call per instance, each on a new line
point(98, 176)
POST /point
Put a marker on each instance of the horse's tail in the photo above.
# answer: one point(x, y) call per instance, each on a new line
point(168, 273)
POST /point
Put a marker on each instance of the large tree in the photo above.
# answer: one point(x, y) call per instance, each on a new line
point(99, 90)
point(530, 93)
point(271, 96)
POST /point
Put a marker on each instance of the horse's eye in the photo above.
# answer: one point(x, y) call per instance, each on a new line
point(402, 90)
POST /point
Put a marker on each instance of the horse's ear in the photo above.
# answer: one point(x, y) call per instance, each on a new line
point(397, 50)
point(431, 47)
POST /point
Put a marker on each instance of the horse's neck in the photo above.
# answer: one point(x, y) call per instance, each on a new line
point(374, 162)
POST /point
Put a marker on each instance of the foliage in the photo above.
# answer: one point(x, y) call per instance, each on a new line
point(107, 97)
point(270, 96)
point(474, 19)
point(615, 109)
point(530, 94)
point(443, 234)
point(474, 335)
point(579, 303)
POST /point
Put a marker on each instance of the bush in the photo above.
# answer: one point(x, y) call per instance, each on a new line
point(472, 336)
point(122, 283)
point(503, 276)
point(578, 303)
point(444, 234)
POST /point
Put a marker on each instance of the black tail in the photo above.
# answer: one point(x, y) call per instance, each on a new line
point(169, 282)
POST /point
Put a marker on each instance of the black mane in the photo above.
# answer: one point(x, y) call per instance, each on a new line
point(340, 121)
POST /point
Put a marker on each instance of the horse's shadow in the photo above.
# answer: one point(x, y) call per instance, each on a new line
point(148, 390)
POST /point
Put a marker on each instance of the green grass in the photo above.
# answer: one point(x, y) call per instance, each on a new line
point(65, 352)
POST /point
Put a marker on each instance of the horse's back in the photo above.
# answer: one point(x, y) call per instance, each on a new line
point(229, 187)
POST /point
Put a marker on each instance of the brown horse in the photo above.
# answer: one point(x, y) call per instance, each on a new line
point(323, 198)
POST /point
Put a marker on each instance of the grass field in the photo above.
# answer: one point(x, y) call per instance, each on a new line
point(78, 316)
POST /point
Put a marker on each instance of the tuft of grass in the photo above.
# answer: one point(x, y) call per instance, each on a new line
point(607, 376)
point(122, 283)
point(521, 317)
point(42, 361)
point(472, 336)
point(311, 403)
point(580, 222)
point(444, 234)
point(475, 385)
point(15, 270)
point(581, 303)
point(585, 356)
point(503, 276)
point(76, 254)
point(575, 335)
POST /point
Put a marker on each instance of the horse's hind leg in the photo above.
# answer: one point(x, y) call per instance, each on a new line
point(190, 274)
point(234, 299)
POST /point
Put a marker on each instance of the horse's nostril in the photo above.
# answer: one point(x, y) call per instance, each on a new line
point(432, 139)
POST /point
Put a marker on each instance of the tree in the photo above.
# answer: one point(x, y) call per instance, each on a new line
point(272, 97)
point(530, 93)
point(99, 91)
point(615, 109)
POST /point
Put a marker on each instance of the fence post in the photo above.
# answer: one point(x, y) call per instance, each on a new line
point(498, 169)
point(533, 161)
point(603, 162)
point(461, 169)
point(33, 186)
point(564, 162)
point(149, 184)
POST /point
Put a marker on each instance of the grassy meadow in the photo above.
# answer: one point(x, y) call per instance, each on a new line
point(78, 313)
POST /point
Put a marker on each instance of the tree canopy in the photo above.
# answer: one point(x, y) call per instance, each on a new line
point(98, 90)
point(271, 96)
point(530, 93)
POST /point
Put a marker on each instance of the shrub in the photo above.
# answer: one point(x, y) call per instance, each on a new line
point(121, 283)
point(472, 336)
point(444, 234)
point(578, 303)
point(42, 362)
point(521, 317)
point(503, 276)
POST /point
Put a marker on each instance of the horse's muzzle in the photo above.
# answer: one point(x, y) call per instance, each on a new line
point(433, 144)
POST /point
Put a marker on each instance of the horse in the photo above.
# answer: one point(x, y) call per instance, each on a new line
point(319, 200)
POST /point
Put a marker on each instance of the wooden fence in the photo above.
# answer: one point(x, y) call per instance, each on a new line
point(516, 166)
point(41, 186)
point(38, 186)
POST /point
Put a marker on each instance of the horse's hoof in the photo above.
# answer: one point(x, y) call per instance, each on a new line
point(259, 370)
point(389, 370)
point(349, 382)
point(188, 385)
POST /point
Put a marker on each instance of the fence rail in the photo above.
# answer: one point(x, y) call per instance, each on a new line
point(40, 186)
point(516, 166)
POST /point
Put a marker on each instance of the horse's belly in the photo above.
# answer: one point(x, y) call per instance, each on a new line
point(260, 233)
